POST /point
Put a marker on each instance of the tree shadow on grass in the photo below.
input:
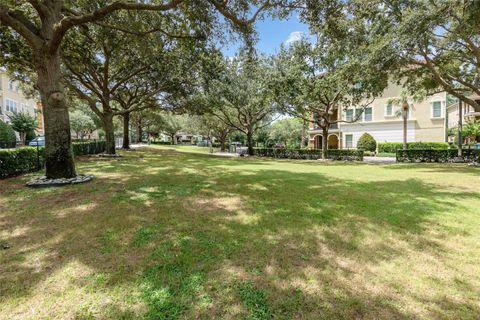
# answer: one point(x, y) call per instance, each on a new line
point(196, 240)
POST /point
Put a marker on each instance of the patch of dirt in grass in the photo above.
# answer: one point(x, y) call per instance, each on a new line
point(210, 203)
point(234, 208)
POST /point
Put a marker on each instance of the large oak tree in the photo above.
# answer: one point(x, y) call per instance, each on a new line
point(120, 73)
point(316, 81)
point(242, 96)
point(34, 30)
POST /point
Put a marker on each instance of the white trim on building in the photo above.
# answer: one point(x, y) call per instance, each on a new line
point(387, 131)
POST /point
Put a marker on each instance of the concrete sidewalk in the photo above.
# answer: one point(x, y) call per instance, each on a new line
point(379, 160)
point(220, 154)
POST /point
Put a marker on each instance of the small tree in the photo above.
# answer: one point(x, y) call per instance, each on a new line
point(22, 123)
point(81, 123)
point(7, 135)
point(367, 143)
point(287, 131)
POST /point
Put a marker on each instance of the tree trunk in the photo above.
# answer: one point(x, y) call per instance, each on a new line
point(23, 137)
point(302, 140)
point(58, 147)
point(325, 143)
point(250, 143)
point(223, 140)
point(126, 131)
point(139, 133)
point(107, 120)
point(405, 125)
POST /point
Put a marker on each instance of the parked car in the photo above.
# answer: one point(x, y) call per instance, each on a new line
point(279, 146)
point(40, 141)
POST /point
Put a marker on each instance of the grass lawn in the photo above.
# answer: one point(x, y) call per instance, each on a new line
point(167, 235)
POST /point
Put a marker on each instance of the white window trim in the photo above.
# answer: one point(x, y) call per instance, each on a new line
point(349, 134)
point(393, 111)
point(353, 113)
point(442, 109)
point(362, 117)
point(373, 112)
point(7, 105)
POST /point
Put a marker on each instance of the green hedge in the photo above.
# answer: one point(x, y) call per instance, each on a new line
point(431, 155)
point(92, 147)
point(310, 154)
point(392, 147)
point(161, 142)
point(7, 136)
point(22, 160)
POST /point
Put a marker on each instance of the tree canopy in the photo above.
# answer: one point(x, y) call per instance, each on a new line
point(433, 45)
point(33, 32)
point(317, 81)
point(242, 96)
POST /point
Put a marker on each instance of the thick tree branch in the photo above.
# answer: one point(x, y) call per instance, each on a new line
point(40, 7)
point(146, 32)
point(18, 22)
point(222, 7)
point(75, 20)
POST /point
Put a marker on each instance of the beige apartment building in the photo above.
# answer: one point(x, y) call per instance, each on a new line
point(382, 120)
point(13, 100)
point(468, 114)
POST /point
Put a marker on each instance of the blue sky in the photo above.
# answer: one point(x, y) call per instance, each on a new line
point(272, 33)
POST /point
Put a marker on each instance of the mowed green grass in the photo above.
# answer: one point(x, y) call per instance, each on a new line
point(166, 235)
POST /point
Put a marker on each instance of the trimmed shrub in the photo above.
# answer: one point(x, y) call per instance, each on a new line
point(392, 147)
point(92, 147)
point(22, 160)
point(161, 142)
point(8, 138)
point(436, 155)
point(367, 143)
point(309, 154)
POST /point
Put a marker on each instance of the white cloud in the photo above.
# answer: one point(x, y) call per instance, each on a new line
point(294, 37)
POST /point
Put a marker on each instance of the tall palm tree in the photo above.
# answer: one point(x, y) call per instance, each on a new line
point(405, 104)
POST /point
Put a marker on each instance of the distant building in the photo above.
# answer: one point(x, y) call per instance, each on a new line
point(468, 113)
point(12, 99)
point(426, 122)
